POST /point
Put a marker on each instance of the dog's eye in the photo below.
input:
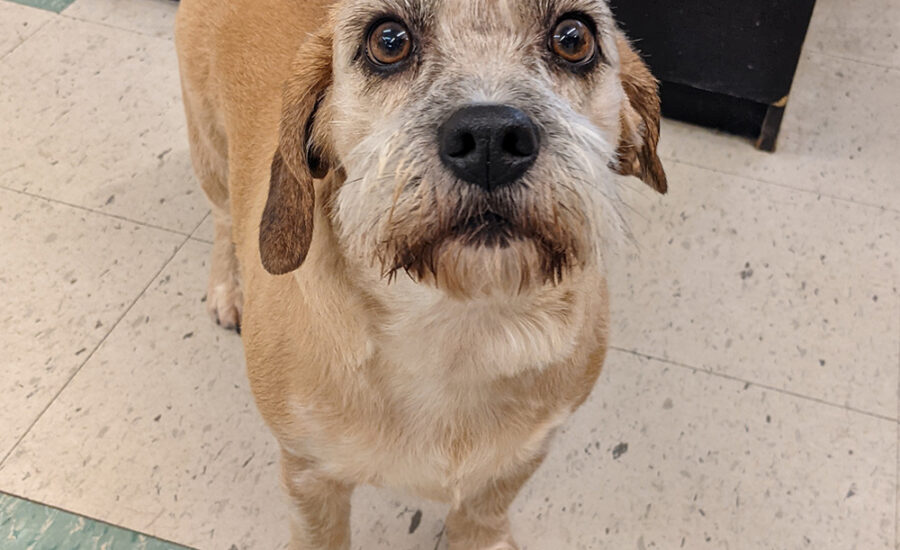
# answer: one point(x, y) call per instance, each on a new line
point(573, 41)
point(389, 43)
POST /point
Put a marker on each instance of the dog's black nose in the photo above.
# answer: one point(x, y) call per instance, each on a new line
point(489, 145)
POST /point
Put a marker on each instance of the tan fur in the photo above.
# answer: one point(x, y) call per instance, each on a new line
point(447, 382)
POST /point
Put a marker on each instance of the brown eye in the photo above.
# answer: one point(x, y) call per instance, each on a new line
point(573, 41)
point(389, 43)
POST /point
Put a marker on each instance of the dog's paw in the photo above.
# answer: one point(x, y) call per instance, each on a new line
point(225, 304)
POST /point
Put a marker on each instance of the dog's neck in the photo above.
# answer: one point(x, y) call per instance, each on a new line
point(421, 330)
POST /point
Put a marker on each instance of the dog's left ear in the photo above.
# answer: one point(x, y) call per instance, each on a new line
point(640, 120)
point(286, 229)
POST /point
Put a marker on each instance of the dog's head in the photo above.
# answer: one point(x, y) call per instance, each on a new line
point(477, 140)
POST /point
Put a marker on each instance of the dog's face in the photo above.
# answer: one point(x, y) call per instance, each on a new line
point(478, 140)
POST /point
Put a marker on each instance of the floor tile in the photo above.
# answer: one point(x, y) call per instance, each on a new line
point(838, 138)
point(159, 433)
point(49, 5)
point(667, 458)
point(153, 17)
point(66, 277)
point(92, 116)
point(17, 23)
point(382, 520)
point(26, 525)
point(776, 286)
point(867, 31)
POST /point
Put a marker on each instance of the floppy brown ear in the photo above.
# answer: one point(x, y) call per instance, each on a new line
point(286, 229)
point(640, 120)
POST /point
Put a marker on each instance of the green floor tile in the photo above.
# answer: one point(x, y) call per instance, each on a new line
point(26, 525)
point(51, 5)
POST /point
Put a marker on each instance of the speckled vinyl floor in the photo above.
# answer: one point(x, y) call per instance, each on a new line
point(750, 400)
point(26, 525)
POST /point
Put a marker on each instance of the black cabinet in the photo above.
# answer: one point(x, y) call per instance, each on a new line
point(728, 64)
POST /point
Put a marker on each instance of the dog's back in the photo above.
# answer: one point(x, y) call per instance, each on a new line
point(235, 56)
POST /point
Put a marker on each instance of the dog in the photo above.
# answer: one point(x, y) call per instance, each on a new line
point(412, 201)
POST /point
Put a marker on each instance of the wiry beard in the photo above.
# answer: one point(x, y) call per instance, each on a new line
point(486, 239)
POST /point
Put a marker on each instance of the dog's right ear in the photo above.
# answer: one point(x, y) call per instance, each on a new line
point(637, 154)
point(286, 229)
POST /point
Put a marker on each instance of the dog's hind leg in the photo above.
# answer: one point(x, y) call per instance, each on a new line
point(320, 507)
point(480, 522)
point(209, 152)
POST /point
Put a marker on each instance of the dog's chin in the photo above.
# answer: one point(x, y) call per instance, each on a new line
point(485, 255)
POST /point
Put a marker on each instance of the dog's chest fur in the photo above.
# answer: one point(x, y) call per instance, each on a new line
point(435, 452)
point(426, 335)
point(441, 396)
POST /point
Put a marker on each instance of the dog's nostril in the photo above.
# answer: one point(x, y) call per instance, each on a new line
point(519, 142)
point(463, 146)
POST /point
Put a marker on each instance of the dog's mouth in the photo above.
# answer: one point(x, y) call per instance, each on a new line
point(486, 229)
point(491, 239)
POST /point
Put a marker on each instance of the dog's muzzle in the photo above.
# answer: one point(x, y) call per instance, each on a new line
point(489, 145)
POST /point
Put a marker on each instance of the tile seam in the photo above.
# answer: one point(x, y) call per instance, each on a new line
point(756, 384)
point(693, 164)
point(88, 517)
point(87, 359)
point(27, 38)
point(99, 212)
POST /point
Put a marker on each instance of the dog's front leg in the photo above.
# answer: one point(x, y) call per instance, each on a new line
point(481, 522)
point(320, 506)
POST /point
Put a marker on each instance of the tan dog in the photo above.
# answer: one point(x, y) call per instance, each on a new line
point(420, 280)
